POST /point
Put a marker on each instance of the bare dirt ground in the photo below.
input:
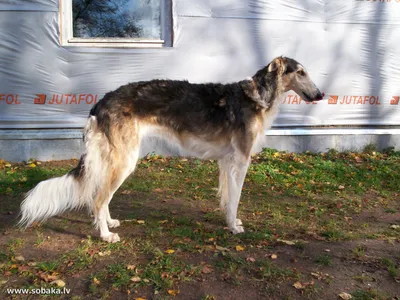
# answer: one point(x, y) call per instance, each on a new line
point(174, 244)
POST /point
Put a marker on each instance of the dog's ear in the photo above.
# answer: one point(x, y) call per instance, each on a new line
point(272, 67)
point(277, 64)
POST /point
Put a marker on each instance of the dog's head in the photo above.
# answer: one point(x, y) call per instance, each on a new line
point(295, 77)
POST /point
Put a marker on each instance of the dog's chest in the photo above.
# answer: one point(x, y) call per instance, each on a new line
point(267, 121)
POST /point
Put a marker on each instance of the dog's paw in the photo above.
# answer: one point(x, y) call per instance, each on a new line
point(113, 223)
point(237, 229)
point(111, 238)
point(239, 222)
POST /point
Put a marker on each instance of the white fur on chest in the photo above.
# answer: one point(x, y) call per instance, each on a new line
point(268, 118)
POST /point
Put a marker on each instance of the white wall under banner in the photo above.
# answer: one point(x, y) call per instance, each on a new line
point(351, 49)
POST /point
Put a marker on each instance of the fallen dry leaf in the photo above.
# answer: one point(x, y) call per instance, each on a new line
point(136, 279)
point(321, 276)
point(291, 243)
point(317, 275)
point(345, 296)
point(3, 281)
point(58, 282)
point(19, 258)
point(173, 292)
point(219, 248)
point(207, 269)
point(250, 259)
point(298, 285)
point(48, 278)
point(240, 248)
point(92, 252)
point(105, 253)
point(358, 159)
point(23, 268)
point(169, 251)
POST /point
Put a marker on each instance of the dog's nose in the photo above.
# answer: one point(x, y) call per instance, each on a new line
point(320, 95)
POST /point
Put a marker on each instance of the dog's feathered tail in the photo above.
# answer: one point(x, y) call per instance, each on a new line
point(73, 190)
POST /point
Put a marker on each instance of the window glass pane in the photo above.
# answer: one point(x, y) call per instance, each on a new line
point(117, 19)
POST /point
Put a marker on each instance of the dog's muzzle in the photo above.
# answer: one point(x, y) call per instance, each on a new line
point(320, 96)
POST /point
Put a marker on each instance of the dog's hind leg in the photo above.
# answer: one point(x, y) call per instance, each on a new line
point(100, 212)
point(122, 160)
point(235, 167)
point(123, 164)
point(125, 171)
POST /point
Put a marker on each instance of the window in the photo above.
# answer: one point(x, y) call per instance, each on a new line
point(116, 23)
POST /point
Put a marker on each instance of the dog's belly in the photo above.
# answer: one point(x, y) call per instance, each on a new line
point(165, 141)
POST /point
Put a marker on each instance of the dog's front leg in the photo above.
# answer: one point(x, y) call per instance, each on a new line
point(223, 186)
point(236, 169)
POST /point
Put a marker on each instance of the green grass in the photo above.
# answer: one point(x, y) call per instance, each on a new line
point(3, 256)
point(14, 245)
point(289, 201)
point(39, 238)
point(307, 174)
point(271, 272)
point(121, 276)
point(369, 294)
point(48, 266)
point(359, 252)
point(324, 260)
point(394, 272)
point(161, 273)
point(80, 257)
point(363, 278)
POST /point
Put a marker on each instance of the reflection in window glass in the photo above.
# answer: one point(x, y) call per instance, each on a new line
point(117, 19)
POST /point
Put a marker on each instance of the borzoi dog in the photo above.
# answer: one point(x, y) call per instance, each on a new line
point(223, 122)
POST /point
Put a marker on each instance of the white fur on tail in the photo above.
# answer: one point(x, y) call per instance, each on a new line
point(56, 195)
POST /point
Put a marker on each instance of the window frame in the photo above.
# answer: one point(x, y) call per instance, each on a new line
point(67, 38)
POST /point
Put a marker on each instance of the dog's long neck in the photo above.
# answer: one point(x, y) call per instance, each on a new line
point(267, 87)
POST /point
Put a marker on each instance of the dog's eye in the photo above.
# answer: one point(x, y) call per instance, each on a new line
point(301, 73)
